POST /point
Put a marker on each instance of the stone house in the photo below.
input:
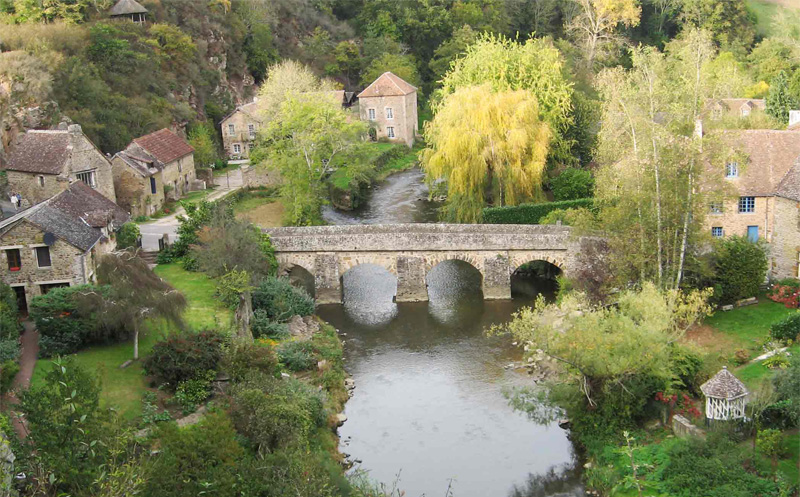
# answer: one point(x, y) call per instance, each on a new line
point(389, 104)
point(58, 242)
point(129, 9)
point(761, 195)
point(239, 130)
point(42, 163)
point(738, 107)
point(151, 170)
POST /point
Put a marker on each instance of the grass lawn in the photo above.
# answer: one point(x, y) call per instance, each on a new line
point(747, 327)
point(259, 208)
point(123, 388)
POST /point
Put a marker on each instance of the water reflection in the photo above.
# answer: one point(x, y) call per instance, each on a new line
point(429, 391)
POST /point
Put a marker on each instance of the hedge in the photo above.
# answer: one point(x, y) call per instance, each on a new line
point(530, 213)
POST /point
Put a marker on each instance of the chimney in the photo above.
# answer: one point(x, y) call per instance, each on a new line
point(794, 117)
point(74, 129)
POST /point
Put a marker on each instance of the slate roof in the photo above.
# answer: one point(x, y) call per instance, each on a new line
point(164, 145)
point(74, 216)
point(127, 7)
point(251, 109)
point(724, 385)
point(772, 154)
point(140, 161)
point(387, 85)
point(41, 152)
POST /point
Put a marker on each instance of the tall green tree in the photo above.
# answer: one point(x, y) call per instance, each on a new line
point(498, 152)
point(446, 53)
point(286, 80)
point(779, 100)
point(729, 21)
point(201, 138)
point(401, 65)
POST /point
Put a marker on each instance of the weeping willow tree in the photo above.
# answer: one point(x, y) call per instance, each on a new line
point(487, 147)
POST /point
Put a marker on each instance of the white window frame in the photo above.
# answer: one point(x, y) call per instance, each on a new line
point(390, 132)
point(36, 256)
point(231, 129)
point(389, 113)
point(92, 177)
point(732, 170)
point(721, 231)
point(371, 114)
point(251, 130)
point(237, 146)
point(747, 204)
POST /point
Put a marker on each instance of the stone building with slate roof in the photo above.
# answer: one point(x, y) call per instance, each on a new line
point(151, 170)
point(58, 242)
point(42, 163)
point(726, 396)
point(239, 130)
point(389, 104)
point(129, 9)
point(759, 194)
point(736, 107)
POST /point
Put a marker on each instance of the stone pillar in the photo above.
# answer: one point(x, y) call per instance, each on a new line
point(496, 277)
point(327, 283)
point(411, 285)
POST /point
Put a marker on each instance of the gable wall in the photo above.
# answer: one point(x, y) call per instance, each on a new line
point(86, 157)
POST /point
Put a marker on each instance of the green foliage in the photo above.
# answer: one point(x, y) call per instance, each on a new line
point(259, 50)
point(729, 21)
point(787, 329)
point(530, 213)
point(297, 356)
point(265, 327)
point(454, 47)
point(191, 393)
point(65, 325)
point(572, 184)
point(201, 138)
point(740, 268)
point(231, 285)
point(150, 411)
point(128, 236)
point(776, 361)
point(279, 300)
point(184, 357)
point(787, 387)
point(779, 100)
point(9, 324)
point(243, 357)
point(8, 371)
point(403, 66)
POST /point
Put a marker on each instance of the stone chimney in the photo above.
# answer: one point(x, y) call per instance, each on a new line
point(794, 117)
point(74, 129)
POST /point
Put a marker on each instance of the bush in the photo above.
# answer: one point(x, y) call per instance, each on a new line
point(185, 357)
point(777, 361)
point(64, 326)
point(280, 300)
point(8, 371)
point(297, 356)
point(190, 393)
point(741, 356)
point(128, 236)
point(740, 268)
point(787, 329)
point(9, 314)
point(572, 184)
point(530, 213)
point(243, 357)
point(264, 327)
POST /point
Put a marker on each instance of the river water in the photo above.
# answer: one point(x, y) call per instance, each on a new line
point(429, 411)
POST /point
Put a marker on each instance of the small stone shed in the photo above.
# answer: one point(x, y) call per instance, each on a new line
point(726, 396)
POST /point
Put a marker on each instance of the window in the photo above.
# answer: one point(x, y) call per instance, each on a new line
point(88, 177)
point(371, 114)
point(251, 128)
point(41, 180)
point(717, 232)
point(389, 113)
point(747, 205)
point(14, 260)
point(43, 257)
point(237, 149)
point(732, 170)
point(152, 185)
point(716, 113)
point(715, 207)
point(231, 129)
point(390, 131)
point(49, 286)
point(250, 147)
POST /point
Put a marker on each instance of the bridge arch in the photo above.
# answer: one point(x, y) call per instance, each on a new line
point(368, 282)
point(453, 276)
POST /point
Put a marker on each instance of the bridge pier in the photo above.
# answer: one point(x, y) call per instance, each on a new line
point(496, 277)
point(327, 281)
point(411, 285)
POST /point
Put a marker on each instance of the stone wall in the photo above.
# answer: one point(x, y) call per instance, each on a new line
point(29, 187)
point(404, 120)
point(86, 157)
point(734, 223)
point(255, 176)
point(179, 174)
point(241, 134)
point(785, 246)
point(134, 192)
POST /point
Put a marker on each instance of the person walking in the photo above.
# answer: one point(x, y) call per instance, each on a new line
point(19, 201)
point(14, 201)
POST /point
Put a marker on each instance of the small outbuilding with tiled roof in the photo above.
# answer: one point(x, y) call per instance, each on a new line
point(726, 396)
point(389, 104)
point(129, 9)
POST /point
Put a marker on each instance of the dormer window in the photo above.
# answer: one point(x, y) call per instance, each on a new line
point(732, 170)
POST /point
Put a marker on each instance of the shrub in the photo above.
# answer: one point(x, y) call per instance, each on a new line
point(264, 327)
point(243, 357)
point(8, 371)
point(184, 357)
point(572, 184)
point(777, 361)
point(787, 329)
point(190, 393)
point(9, 315)
point(64, 326)
point(741, 356)
point(128, 236)
point(785, 292)
point(530, 213)
point(280, 300)
point(740, 267)
point(297, 356)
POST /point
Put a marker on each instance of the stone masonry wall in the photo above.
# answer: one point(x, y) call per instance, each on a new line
point(404, 129)
point(255, 176)
point(734, 223)
point(27, 185)
point(86, 157)
point(785, 246)
point(133, 190)
point(179, 174)
point(241, 134)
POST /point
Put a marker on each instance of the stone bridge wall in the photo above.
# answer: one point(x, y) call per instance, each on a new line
point(410, 251)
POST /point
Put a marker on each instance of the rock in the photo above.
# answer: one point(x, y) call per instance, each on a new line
point(728, 307)
point(744, 302)
point(303, 327)
point(564, 424)
point(349, 383)
point(285, 375)
point(340, 419)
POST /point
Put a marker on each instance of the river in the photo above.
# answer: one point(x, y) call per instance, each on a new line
point(429, 411)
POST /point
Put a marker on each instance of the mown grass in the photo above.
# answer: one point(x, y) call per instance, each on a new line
point(748, 327)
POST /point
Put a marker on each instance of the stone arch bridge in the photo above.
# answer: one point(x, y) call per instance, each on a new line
point(410, 251)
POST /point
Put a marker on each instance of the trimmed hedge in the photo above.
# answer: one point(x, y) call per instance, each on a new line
point(530, 213)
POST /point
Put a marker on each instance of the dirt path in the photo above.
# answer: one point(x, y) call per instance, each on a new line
point(27, 363)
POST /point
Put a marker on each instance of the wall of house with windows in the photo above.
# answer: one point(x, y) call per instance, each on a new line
point(785, 246)
point(89, 165)
point(137, 194)
point(27, 262)
point(743, 216)
point(393, 117)
point(239, 132)
point(179, 176)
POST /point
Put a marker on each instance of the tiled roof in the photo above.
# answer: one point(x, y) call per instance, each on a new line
point(724, 385)
point(735, 104)
point(127, 7)
point(164, 145)
point(772, 153)
point(43, 152)
point(251, 109)
point(387, 85)
point(140, 161)
point(74, 216)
